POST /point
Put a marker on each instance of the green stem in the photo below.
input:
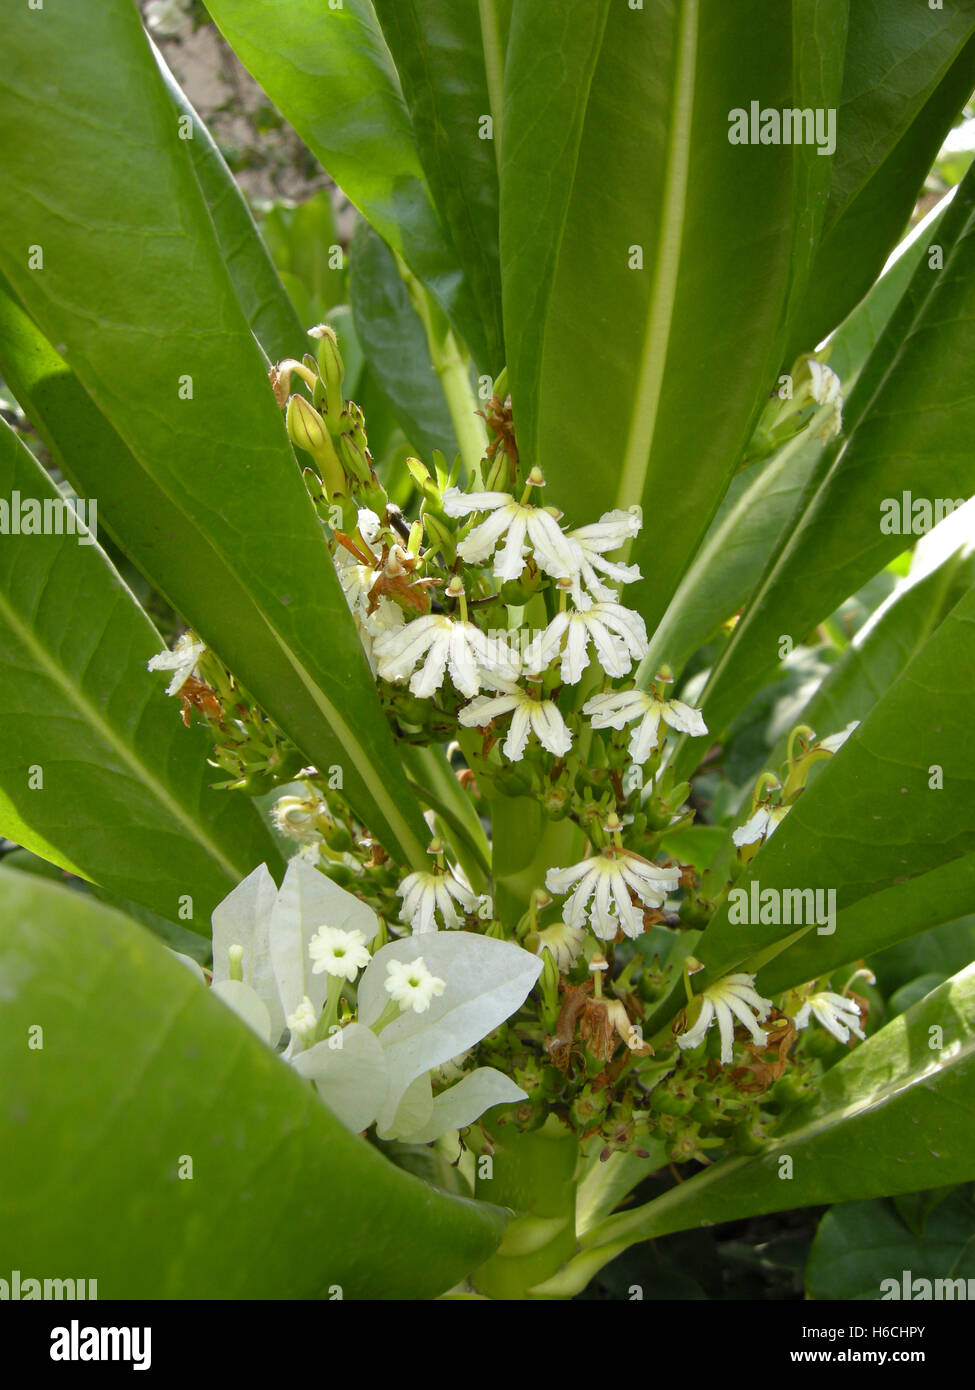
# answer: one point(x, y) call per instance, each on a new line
point(493, 43)
point(453, 370)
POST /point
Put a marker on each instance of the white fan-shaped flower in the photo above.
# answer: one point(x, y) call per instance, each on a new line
point(618, 635)
point(733, 997)
point(617, 708)
point(425, 893)
point(563, 943)
point(760, 826)
point(182, 661)
point(443, 644)
point(838, 1014)
point(612, 530)
point(530, 715)
point(603, 882)
point(522, 525)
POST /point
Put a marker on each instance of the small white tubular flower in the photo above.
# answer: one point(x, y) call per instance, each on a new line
point(827, 389)
point(563, 943)
point(603, 882)
point(733, 997)
point(304, 1020)
point(520, 524)
point(838, 1014)
point(412, 985)
point(182, 661)
point(541, 717)
point(442, 644)
point(760, 826)
point(617, 708)
point(836, 741)
point(297, 817)
point(618, 634)
point(612, 530)
point(425, 894)
point(338, 952)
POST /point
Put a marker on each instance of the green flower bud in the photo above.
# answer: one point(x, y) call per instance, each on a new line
point(439, 537)
point(332, 371)
point(307, 431)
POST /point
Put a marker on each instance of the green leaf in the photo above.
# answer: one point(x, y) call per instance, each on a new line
point(211, 505)
point(395, 345)
point(909, 70)
point(330, 74)
point(879, 921)
point(908, 420)
point(304, 243)
point(438, 47)
point(97, 772)
point(871, 818)
point(861, 1246)
point(99, 1123)
point(756, 509)
point(643, 341)
point(893, 1116)
point(262, 296)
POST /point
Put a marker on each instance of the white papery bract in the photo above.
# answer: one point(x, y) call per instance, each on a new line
point(760, 826)
point(520, 524)
point(612, 530)
point(182, 661)
point(617, 708)
point(618, 635)
point(733, 997)
point(838, 1014)
point(412, 985)
point(443, 644)
point(427, 892)
point(530, 715)
point(603, 882)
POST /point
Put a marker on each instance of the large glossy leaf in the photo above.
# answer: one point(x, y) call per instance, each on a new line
point(97, 773)
point(893, 1116)
point(133, 285)
point(262, 296)
point(438, 47)
point(909, 69)
point(329, 72)
point(168, 1154)
point(760, 502)
point(859, 1245)
point(873, 817)
point(909, 418)
point(644, 298)
point(395, 345)
point(875, 922)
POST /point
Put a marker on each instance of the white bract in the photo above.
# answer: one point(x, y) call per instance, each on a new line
point(530, 715)
point(425, 893)
point(603, 883)
point(466, 984)
point(836, 741)
point(519, 523)
point(182, 661)
point(617, 708)
point(733, 997)
point(838, 1014)
point(443, 644)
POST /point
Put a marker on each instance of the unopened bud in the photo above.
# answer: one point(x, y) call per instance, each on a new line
point(307, 431)
point(332, 370)
point(280, 378)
